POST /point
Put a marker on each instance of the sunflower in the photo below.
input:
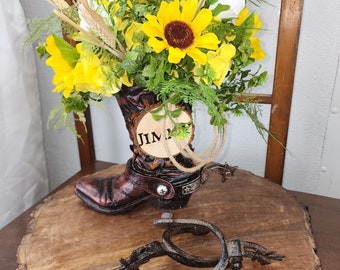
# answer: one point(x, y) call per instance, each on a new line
point(178, 29)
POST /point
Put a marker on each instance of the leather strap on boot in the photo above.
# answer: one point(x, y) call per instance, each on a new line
point(159, 187)
point(155, 186)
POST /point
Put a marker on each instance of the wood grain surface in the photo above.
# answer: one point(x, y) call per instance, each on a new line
point(65, 234)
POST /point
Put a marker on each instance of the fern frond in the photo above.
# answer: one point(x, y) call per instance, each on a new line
point(41, 27)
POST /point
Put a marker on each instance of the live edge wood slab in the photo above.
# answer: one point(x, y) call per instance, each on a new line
point(65, 234)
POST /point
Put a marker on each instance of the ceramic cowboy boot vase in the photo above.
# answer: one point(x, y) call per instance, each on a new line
point(149, 174)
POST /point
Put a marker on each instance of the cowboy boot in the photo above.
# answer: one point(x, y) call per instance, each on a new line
point(146, 177)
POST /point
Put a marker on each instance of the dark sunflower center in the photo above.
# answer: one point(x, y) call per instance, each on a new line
point(178, 34)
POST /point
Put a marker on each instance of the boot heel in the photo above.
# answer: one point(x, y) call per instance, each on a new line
point(174, 203)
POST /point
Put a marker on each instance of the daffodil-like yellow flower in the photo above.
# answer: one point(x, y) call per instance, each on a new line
point(258, 53)
point(89, 73)
point(62, 66)
point(180, 31)
point(78, 69)
point(220, 62)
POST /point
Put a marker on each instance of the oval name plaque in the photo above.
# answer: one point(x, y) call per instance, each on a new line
point(149, 135)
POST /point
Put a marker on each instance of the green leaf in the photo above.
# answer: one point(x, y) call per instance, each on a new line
point(42, 27)
point(59, 118)
point(158, 109)
point(211, 2)
point(41, 50)
point(149, 71)
point(130, 66)
point(69, 53)
point(263, 77)
point(220, 8)
point(176, 113)
point(156, 116)
point(181, 130)
point(132, 55)
point(141, 81)
point(121, 9)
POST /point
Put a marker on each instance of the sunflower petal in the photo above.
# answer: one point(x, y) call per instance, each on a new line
point(152, 28)
point(197, 55)
point(167, 12)
point(207, 41)
point(189, 11)
point(175, 55)
point(201, 21)
point(157, 45)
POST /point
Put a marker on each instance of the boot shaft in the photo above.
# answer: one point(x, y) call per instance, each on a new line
point(135, 103)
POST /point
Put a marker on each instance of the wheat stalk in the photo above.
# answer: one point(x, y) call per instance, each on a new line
point(61, 4)
point(98, 26)
point(93, 39)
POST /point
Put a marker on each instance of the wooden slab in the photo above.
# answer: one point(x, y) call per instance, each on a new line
point(64, 234)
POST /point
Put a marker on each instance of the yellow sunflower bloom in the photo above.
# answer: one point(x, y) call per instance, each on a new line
point(258, 53)
point(180, 31)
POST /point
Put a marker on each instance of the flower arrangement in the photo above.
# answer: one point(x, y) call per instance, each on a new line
point(191, 51)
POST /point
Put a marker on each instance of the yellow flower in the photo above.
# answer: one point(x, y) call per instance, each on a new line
point(180, 31)
point(63, 77)
point(114, 82)
point(132, 29)
point(258, 53)
point(220, 62)
point(104, 2)
point(91, 75)
point(88, 73)
point(124, 79)
point(120, 23)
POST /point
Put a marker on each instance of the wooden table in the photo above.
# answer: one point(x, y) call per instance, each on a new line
point(325, 214)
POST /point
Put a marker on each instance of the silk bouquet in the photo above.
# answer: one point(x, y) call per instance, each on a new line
point(190, 51)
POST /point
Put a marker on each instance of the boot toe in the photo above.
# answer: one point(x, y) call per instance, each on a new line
point(94, 189)
point(109, 195)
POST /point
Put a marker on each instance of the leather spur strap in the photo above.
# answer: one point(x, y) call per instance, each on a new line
point(162, 188)
point(151, 184)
